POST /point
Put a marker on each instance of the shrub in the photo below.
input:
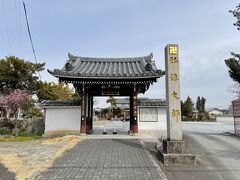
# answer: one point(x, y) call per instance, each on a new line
point(8, 123)
point(32, 113)
point(5, 131)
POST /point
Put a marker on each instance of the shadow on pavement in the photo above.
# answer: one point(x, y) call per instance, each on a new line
point(5, 174)
point(129, 142)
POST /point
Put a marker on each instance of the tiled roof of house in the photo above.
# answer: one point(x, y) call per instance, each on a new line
point(212, 109)
point(107, 68)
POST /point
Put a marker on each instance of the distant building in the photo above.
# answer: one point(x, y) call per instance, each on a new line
point(214, 111)
point(122, 103)
point(221, 115)
point(230, 109)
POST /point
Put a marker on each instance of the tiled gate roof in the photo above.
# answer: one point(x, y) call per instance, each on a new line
point(107, 68)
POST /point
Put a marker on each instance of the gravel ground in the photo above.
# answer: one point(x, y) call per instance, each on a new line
point(27, 158)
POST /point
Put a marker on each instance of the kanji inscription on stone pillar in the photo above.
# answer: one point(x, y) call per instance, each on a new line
point(174, 130)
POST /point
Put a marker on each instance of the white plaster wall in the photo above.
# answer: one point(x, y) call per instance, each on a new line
point(161, 124)
point(225, 118)
point(62, 118)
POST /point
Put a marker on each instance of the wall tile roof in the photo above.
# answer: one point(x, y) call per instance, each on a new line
point(47, 103)
point(152, 102)
point(141, 102)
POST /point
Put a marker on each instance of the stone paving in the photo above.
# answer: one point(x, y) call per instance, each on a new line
point(121, 127)
point(5, 174)
point(105, 159)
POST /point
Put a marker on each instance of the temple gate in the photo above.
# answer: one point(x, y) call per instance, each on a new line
point(108, 77)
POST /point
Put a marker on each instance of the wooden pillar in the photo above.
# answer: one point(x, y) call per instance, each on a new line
point(83, 114)
point(91, 113)
point(131, 113)
point(83, 110)
point(134, 111)
point(87, 114)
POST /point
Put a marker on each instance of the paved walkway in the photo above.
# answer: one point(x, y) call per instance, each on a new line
point(5, 174)
point(109, 127)
point(105, 159)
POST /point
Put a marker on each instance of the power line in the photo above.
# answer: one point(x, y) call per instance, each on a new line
point(16, 18)
point(29, 33)
point(20, 27)
point(6, 26)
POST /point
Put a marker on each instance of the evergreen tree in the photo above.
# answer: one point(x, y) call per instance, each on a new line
point(182, 108)
point(233, 63)
point(198, 104)
point(203, 102)
point(187, 108)
point(16, 73)
point(234, 67)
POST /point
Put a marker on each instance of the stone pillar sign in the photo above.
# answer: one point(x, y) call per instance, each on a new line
point(174, 130)
point(174, 148)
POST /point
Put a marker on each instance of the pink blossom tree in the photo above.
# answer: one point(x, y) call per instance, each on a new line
point(14, 101)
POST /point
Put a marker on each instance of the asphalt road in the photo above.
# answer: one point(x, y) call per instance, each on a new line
point(218, 151)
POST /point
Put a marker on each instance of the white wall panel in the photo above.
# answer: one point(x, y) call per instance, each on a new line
point(67, 118)
point(148, 121)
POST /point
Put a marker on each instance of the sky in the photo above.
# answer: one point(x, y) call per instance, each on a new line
point(126, 28)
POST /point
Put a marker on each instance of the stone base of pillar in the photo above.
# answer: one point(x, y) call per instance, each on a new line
point(135, 128)
point(175, 152)
point(83, 129)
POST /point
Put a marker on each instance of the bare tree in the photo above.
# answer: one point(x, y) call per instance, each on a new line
point(236, 90)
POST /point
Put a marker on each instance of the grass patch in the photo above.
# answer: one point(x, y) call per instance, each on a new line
point(18, 138)
point(5, 131)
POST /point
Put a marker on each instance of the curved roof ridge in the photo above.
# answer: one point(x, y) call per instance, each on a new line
point(102, 68)
point(82, 58)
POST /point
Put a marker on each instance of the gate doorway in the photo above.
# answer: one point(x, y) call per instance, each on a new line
point(111, 115)
point(109, 90)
